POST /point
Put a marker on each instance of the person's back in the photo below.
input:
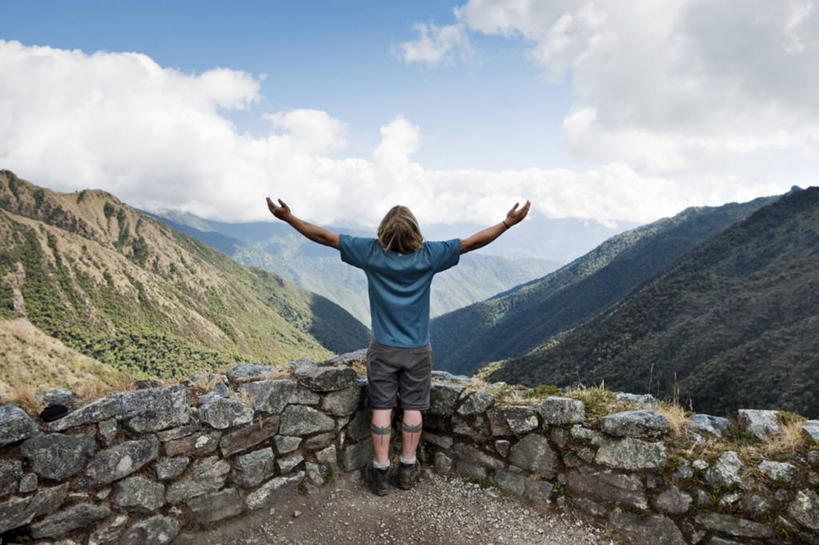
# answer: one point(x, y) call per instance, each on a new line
point(400, 267)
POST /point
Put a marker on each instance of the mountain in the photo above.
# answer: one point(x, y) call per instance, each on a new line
point(734, 324)
point(512, 323)
point(276, 247)
point(117, 285)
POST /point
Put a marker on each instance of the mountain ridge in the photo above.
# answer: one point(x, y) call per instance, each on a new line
point(516, 321)
point(734, 323)
point(120, 286)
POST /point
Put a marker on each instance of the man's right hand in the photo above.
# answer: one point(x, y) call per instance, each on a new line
point(282, 212)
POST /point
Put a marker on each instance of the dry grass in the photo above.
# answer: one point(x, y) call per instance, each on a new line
point(243, 397)
point(789, 440)
point(206, 383)
point(279, 372)
point(26, 397)
point(676, 416)
point(95, 388)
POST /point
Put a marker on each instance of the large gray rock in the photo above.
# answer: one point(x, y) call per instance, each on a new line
point(139, 495)
point(811, 429)
point(263, 495)
point(15, 424)
point(443, 398)
point(246, 371)
point(511, 483)
point(557, 411)
point(761, 423)
point(534, 454)
point(673, 501)
point(472, 455)
point(170, 468)
point(328, 457)
point(606, 487)
point(356, 456)
point(301, 420)
point(269, 396)
point(10, 473)
point(152, 409)
point(222, 412)
point(347, 358)
point(16, 512)
point(725, 472)
point(476, 403)
point(645, 401)
point(778, 471)
point(109, 530)
point(157, 530)
point(654, 529)
point(206, 475)
point(737, 527)
point(112, 464)
point(342, 402)
point(479, 431)
point(804, 509)
point(197, 444)
point(631, 454)
point(286, 443)
point(56, 456)
point(58, 395)
point(325, 379)
point(634, 424)
point(441, 441)
point(706, 423)
point(216, 506)
point(359, 426)
point(77, 516)
point(512, 420)
point(249, 435)
point(303, 396)
point(287, 463)
point(252, 468)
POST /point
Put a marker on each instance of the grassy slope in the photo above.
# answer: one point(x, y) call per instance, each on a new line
point(279, 249)
point(734, 324)
point(515, 322)
point(33, 358)
point(126, 289)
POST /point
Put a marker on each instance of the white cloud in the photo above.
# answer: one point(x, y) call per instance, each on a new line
point(158, 138)
point(673, 87)
point(437, 45)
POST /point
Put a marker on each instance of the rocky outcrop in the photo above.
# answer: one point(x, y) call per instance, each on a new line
point(141, 467)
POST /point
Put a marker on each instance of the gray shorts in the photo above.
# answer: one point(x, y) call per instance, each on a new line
point(399, 373)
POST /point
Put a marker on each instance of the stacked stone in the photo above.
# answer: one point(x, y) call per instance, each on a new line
point(619, 469)
point(136, 467)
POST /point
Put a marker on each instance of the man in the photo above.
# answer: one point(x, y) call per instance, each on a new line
point(399, 266)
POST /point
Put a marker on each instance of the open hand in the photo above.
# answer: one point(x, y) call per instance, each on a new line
point(282, 211)
point(515, 216)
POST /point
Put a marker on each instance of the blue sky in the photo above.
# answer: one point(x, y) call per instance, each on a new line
point(624, 110)
point(339, 57)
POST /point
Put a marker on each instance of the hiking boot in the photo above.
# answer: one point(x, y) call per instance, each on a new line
point(377, 479)
point(408, 475)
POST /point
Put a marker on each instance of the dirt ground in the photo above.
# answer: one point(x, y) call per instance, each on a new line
point(438, 511)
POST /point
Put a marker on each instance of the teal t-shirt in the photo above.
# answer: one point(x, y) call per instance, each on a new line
point(399, 286)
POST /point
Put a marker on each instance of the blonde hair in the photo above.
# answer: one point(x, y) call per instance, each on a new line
point(399, 231)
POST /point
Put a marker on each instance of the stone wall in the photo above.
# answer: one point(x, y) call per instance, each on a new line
point(142, 466)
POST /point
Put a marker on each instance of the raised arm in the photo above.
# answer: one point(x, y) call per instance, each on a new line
point(313, 232)
point(482, 238)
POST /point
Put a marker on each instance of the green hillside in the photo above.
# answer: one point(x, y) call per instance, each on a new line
point(119, 286)
point(515, 322)
point(734, 324)
point(276, 247)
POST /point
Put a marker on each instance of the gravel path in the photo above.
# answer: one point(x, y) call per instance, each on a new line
point(438, 511)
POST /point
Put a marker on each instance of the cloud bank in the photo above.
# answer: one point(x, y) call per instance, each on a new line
point(677, 87)
point(160, 138)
